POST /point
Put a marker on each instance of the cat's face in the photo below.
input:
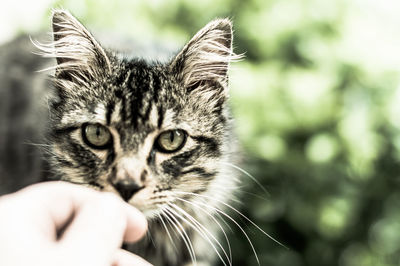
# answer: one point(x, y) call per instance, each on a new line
point(147, 132)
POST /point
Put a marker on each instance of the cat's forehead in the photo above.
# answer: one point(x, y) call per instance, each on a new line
point(140, 82)
point(141, 77)
point(136, 93)
point(140, 92)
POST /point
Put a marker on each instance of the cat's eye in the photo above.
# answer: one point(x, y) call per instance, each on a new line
point(96, 135)
point(171, 140)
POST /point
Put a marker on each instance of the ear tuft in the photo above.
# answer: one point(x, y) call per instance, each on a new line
point(207, 55)
point(77, 52)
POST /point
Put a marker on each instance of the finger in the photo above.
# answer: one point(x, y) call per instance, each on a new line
point(126, 258)
point(45, 205)
point(59, 201)
point(136, 226)
point(52, 204)
point(99, 226)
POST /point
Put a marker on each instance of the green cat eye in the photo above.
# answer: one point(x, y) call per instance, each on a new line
point(171, 140)
point(96, 135)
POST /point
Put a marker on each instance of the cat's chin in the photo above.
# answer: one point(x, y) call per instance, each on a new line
point(151, 213)
point(142, 201)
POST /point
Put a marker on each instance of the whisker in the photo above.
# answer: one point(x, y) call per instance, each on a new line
point(207, 205)
point(36, 144)
point(216, 221)
point(253, 195)
point(225, 223)
point(238, 212)
point(179, 228)
point(248, 175)
point(172, 220)
point(237, 224)
point(168, 233)
point(203, 231)
point(150, 236)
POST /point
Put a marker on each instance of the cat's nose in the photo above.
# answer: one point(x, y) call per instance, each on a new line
point(126, 188)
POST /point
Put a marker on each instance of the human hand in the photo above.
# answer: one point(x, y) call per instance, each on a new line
point(57, 223)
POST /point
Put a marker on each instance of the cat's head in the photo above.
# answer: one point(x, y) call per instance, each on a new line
point(149, 132)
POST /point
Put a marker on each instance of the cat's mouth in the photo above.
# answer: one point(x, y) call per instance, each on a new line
point(141, 198)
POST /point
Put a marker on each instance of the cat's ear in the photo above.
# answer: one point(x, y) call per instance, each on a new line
point(78, 54)
point(206, 56)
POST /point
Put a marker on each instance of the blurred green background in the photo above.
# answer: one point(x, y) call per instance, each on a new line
point(317, 104)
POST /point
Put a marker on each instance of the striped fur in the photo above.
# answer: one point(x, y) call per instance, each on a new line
point(136, 101)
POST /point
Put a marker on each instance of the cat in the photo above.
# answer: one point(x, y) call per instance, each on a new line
point(158, 134)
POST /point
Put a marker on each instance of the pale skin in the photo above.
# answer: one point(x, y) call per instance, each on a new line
point(57, 223)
